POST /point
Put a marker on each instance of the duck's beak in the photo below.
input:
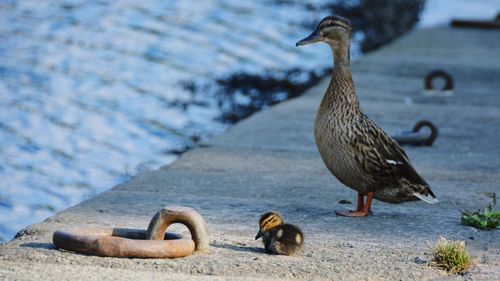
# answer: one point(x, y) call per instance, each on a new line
point(312, 38)
point(259, 234)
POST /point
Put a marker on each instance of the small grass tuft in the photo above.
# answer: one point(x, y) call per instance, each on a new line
point(486, 219)
point(450, 255)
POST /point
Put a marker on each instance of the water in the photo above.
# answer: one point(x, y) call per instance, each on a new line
point(439, 13)
point(93, 92)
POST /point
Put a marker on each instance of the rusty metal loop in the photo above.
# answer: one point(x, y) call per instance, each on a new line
point(135, 243)
point(178, 214)
point(120, 242)
point(439, 73)
point(434, 131)
point(416, 136)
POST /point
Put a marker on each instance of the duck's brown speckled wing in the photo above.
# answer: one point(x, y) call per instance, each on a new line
point(382, 158)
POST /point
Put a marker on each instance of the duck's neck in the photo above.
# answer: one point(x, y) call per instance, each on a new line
point(341, 57)
point(341, 92)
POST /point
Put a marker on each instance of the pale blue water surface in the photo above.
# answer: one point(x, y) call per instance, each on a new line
point(91, 91)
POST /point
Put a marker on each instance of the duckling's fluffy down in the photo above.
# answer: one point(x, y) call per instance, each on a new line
point(285, 239)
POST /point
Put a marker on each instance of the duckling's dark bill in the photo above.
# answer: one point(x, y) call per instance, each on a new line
point(313, 38)
point(259, 234)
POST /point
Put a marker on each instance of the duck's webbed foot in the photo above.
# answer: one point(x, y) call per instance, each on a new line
point(351, 213)
point(363, 209)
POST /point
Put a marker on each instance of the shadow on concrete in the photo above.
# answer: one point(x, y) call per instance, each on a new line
point(238, 248)
point(48, 246)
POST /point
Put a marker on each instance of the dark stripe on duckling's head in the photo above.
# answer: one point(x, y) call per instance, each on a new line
point(270, 220)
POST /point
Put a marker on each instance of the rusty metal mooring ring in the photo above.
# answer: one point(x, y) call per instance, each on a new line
point(416, 137)
point(177, 214)
point(434, 131)
point(438, 73)
point(135, 243)
point(108, 243)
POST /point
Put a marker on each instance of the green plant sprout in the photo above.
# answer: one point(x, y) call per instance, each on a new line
point(485, 220)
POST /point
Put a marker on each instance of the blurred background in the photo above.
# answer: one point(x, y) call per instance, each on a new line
point(94, 92)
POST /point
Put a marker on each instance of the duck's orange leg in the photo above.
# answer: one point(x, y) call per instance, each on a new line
point(363, 208)
point(361, 202)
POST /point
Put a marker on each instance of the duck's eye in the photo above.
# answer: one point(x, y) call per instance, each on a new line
point(330, 23)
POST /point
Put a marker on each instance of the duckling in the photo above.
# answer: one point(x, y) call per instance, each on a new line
point(355, 150)
point(279, 238)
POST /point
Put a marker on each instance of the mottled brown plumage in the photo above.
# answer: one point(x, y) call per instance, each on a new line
point(360, 154)
point(278, 237)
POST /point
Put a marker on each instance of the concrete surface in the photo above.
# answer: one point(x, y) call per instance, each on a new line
point(269, 162)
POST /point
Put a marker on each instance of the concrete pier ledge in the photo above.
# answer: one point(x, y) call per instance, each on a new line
point(270, 162)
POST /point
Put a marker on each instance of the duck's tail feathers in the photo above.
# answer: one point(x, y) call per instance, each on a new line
point(427, 198)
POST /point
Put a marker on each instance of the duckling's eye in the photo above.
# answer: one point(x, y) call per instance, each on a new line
point(268, 221)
